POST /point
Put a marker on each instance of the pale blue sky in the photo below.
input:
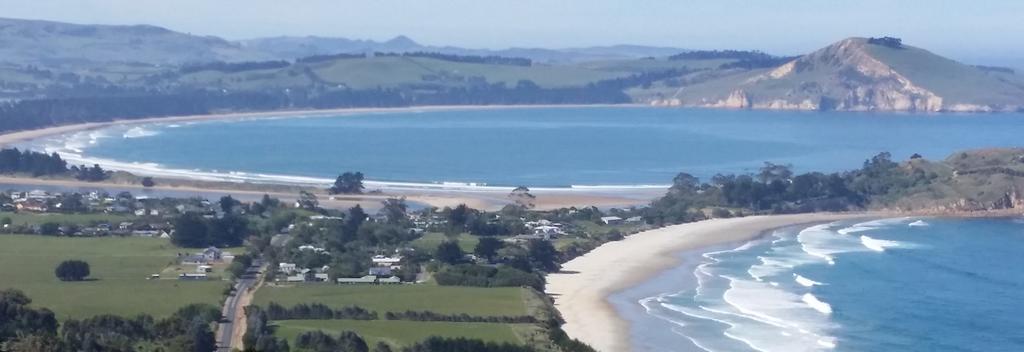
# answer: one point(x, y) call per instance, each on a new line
point(969, 30)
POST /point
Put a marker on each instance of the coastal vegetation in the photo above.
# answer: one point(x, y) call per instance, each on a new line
point(348, 183)
point(36, 164)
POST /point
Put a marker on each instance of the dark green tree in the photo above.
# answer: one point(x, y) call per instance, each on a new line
point(449, 252)
point(49, 229)
point(543, 255)
point(227, 204)
point(189, 231)
point(394, 210)
point(488, 247)
point(348, 183)
point(72, 270)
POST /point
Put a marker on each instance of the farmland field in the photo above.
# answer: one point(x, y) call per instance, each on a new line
point(77, 219)
point(403, 333)
point(398, 298)
point(119, 271)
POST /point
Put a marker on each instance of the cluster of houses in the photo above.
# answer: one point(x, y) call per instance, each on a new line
point(615, 220)
point(203, 261)
point(542, 229)
point(152, 215)
point(379, 273)
point(38, 201)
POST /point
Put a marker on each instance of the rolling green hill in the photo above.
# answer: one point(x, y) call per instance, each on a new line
point(57, 44)
point(856, 74)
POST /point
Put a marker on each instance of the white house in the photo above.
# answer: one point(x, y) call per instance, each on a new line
point(381, 260)
point(213, 254)
point(611, 220)
point(287, 268)
point(313, 249)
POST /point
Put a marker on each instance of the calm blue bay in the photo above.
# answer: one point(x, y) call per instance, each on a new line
point(541, 147)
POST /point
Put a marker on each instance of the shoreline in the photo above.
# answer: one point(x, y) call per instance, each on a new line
point(488, 200)
point(478, 196)
point(582, 290)
point(11, 137)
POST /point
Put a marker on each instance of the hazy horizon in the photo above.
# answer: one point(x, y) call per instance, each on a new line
point(971, 31)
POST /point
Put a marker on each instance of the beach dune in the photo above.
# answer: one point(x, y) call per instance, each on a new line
point(581, 290)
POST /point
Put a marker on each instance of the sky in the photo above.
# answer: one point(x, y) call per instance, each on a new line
point(970, 30)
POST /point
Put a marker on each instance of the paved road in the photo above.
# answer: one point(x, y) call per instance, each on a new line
point(232, 306)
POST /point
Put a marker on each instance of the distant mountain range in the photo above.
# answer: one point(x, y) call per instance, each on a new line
point(855, 74)
point(57, 44)
point(44, 59)
point(296, 47)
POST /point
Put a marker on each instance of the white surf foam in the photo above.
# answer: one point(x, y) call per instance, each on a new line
point(817, 304)
point(803, 281)
point(877, 245)
point(918, 223)
point(139, 132)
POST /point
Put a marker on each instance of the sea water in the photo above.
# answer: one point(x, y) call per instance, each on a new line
point(906, 284)
point(537, 147)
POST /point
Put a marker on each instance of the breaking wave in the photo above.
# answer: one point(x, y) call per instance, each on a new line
point(753, 298)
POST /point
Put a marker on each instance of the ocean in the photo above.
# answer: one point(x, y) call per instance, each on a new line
point(905, 284)
point(536, 147)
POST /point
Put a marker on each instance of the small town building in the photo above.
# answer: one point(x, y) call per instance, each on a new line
point(287, 268)
point(213, 254)
point(368, 279)
point(612, 220)
point(390, 280)
point(192, 276)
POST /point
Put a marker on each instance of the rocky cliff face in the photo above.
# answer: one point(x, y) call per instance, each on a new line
point(851, 75)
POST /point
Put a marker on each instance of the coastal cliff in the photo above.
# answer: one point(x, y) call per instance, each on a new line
point(856, 74)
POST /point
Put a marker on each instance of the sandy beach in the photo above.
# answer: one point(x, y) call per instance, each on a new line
point(486, 198)
point(581, 290)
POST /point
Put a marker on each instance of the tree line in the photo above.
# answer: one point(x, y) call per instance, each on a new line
point(39, 164)
point(317, 311)
point(721, 54)
point(461, 318)
point(233, 67)
point(473, 59)
point(23, 328)
point(192, 230)
point(776, 190)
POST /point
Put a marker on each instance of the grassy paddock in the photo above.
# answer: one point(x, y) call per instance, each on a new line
point(76, 219)
point(402, 333)
point(398, 298)
point(119, 266)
